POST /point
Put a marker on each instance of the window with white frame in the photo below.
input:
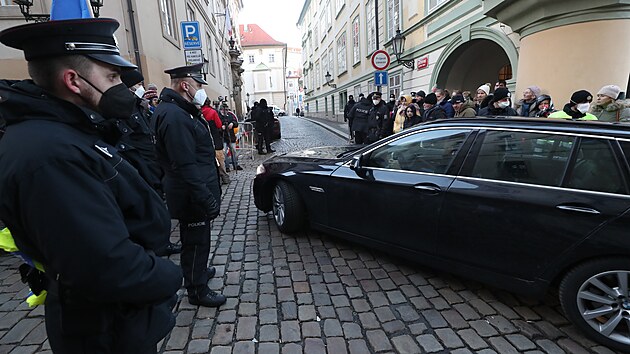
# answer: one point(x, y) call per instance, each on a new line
point(219, 61)
point(323, 29)
point(210, 54)
point(340, 4)
point(394, 85)
point(393, 17)
point(331, 61)
point(357, 92)
point(190, 13)
point(434, 4)
point(272, 58)
point(167, 16)
point(370, 26)
point(317, 73)
point(356, 47)
point(325, 68)
point(316, 36)
point(328, 11)
point(371, 87)
point(341, 53)
point(252, 59)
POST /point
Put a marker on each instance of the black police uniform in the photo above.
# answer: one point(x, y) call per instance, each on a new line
point(186, 153)
point(74, 204)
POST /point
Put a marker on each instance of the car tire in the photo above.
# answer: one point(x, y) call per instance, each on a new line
point(594, 296)
point(288, 210)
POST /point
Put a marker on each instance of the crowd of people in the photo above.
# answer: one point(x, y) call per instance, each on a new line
point(371, 119)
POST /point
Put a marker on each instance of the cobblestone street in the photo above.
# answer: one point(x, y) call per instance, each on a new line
point(313, 293)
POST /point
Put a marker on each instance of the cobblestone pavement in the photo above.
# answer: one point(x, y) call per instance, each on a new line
point(312, 293)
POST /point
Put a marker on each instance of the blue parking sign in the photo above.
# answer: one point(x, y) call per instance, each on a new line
point(381, 78)
point(190, 35)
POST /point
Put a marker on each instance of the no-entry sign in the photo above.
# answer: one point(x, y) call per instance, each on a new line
point(380, 60)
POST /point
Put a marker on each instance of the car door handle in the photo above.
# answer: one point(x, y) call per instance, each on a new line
point(579, 209)
point(427, 187)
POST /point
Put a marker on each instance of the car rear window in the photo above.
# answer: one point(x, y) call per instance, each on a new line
point(596, 168)
point(524, 157)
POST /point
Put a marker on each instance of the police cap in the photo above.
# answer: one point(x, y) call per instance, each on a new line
point(92, 37)
point(191, 71)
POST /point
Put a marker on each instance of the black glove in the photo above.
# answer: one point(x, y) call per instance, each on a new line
point(212, 208)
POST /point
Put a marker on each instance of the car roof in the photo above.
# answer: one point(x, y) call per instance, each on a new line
point(561, 125)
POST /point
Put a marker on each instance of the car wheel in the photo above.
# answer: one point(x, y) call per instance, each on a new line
point(595, 297)
point(288, 211)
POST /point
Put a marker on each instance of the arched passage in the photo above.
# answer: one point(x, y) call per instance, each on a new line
point(483, 56)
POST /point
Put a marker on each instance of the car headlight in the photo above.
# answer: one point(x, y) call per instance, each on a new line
point(260, 170)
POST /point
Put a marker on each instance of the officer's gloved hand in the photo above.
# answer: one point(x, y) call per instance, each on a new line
point(212, 208)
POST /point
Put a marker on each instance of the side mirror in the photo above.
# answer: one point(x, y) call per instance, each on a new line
point(356, 163)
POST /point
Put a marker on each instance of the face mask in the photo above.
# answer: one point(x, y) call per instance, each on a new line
point(116, 101)
point(583, 107)
point(376, 102)
point(544, 107)
point(504, 104)
point(200, 97)
point(139, 91)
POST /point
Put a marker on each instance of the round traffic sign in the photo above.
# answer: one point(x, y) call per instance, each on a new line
point(380, 60)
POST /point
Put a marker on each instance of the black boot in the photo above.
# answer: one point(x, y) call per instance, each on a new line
point(212, 299)
point(211, 271)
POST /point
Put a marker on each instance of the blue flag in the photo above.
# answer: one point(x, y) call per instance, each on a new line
point(69, 9)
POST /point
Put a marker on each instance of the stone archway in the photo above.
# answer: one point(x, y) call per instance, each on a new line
point(474, 58)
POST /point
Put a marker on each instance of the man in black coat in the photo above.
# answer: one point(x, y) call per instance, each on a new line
point(499, 105)
point(377, 118)
point(358, 118)
point(346, 114)
point(186, 152)
point(263, 116)
point(73, 203)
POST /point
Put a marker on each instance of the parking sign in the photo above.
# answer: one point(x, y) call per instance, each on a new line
point(190, 35)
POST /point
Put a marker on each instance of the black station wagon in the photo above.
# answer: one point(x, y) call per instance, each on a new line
point(522, 204)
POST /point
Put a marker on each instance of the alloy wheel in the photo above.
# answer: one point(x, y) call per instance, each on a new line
point(603, 302)
point(278, 205)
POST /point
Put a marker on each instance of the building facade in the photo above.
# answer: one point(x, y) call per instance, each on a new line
point(265, 65)
point(295, 94)
point(150, 36)
point(559, 45)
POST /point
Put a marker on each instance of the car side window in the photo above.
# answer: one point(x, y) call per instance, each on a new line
point(427, 151)
point(524, 157)
point(596, 168)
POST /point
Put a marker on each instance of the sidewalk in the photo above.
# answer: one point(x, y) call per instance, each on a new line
point(339, 128)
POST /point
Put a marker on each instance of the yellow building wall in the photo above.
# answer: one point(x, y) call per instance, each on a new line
point(566, 59)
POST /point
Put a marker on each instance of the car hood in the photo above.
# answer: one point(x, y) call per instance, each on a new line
point(319, 153)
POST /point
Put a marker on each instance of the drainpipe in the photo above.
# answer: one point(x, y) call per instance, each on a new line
point(134, 35)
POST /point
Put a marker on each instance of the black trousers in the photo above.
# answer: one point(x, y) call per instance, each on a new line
point(195, 236)
point(264, 137)
point(359, 137)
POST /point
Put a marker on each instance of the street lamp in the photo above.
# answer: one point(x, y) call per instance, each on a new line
point(25, 7)
point(204, 67)
point(329, 80)
point(231, 42)
point(398, 44)
point(96, 7)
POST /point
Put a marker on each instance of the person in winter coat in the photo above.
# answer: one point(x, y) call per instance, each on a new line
point(359, 117)
point(463, 108)
point(377, 118)
point(73, 203)
point(229, 138)
point(346, 114)
point(526, 107)
point(577, 108)
point(607, 108)
point(412, 117)
point(263, 116)
point(481, 99)
point(499, 105)
point(544, 106)
point(211, 115)
point(186, 152)
point(432, 111)
point(443, 100)
point(401, 115)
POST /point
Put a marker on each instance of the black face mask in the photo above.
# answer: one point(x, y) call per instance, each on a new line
point(116, 102)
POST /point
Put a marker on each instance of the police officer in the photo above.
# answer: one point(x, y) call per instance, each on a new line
point(263, 116)
point(359, 117)
point(73, 203)
point(186, 152)
point(137, 143)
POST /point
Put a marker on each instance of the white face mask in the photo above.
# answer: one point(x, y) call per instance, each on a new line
point(376, 102)
point(139, 91)
point(504, 104)
point(200, 97)
point(583, 107)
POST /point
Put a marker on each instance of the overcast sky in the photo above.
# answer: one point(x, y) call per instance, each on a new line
point(276, 17)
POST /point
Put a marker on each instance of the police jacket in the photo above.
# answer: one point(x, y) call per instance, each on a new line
point(227, 119)
point(359, 115)
point(74, 204)
point(137, 145)
point(185, 151)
